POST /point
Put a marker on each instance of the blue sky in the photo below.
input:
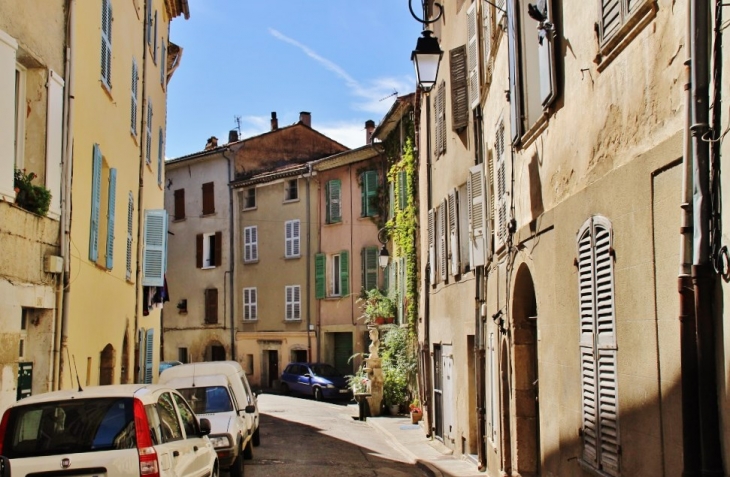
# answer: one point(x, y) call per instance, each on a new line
point(340, 60)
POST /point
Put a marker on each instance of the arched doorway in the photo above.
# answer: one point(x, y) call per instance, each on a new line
point(106, 367)
point(215, 351)
point(125, 360)
point(527, 416)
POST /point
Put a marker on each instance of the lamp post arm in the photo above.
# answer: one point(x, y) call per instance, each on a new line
point(424, 20)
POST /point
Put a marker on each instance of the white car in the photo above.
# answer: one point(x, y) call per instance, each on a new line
point(127, 430)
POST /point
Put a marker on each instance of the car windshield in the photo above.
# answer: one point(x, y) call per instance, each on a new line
point(69, 427)
point(206, 400)
point(325, 371)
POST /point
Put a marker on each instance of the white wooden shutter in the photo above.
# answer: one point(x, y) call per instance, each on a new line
point(155, 247)
point(443, 242)
point(8, 49)
point(130, 236)
point(250, 244)
point(611, 18)
point(515, 96)
point(295, 238)
point(432, 245)
point(477, 216)
point(488, 31)
point(160, 155)
point(291, 232)
point(472, 54)
point(54, 140)
point(453, 205)
point(546, 60)
point(502, 196)
point(250, 305)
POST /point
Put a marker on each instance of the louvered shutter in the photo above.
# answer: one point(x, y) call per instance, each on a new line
point(110, 218)
point(344, 273)
point(155, 247)
point(611, 17)
point(369, 193)
point(106, 43)
point(179, 204)
point(160, 155)
point(199, 251)
point(250, 247)
point(8, 58)
point(95, 204)
point(149, 22)
point(546, 60)
point(369, 257)
point(334, 212)
point(437, 119)
point(254, 243)
point(246, 304)
point(501, 212)
point(163, 63)
point(253, 296)
point(442, 113)
point(402, 190)
point(453, 206)
point(443, 216)
point(297, 303)
point(134, 89)
point(218, 257)
point(320, 262)
point(54, 140)
point(295, 238)
point(211, 306)
point(148, 136)
point(432, 245)
point(598, 346)
point(391, 200)
point(130, 236)
point(477, 217)
point(149, 348)
point(208, 198)
point(488, 31)
point(515, 96)
point(472, 26)
point(154, 47)
point(459, 88)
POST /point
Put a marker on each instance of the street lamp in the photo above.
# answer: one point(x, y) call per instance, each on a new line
point(384, 257)
point(426, 58)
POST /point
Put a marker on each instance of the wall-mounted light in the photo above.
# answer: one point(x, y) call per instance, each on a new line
point(384, 257)
point(427, 55)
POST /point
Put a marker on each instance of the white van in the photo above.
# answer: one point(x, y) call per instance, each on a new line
point(219, 392)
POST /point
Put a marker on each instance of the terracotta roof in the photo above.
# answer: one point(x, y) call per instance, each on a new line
point(394, 115)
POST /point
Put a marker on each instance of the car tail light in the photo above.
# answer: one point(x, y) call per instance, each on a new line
point(3, 428)
point(148, 465)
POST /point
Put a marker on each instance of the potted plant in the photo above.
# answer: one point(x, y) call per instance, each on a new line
point(395, 388)
point(377, 308)
point(31, 197)
point(416, 411)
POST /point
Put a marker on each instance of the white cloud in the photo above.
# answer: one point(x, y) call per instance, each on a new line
point(375, 97)
point(351, 134)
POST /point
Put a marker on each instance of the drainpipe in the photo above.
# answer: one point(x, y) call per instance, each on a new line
point(687, 329)
point(309, 264)
point(62, 292)
point(426, 348)
point(702, 271)
point(231, 258)
point(480, 369)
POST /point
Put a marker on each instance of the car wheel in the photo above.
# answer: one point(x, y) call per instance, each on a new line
point(318, 394)
point(284, 388)
point(215, 472)
point(256, 439)
point(248, 451)
point(236, 469)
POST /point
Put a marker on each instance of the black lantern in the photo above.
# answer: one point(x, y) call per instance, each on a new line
point(426, 58)
point(384, 257)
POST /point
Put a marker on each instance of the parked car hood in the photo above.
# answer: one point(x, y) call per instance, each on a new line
point(220, 422)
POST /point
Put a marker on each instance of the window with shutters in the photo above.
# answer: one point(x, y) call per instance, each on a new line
point(163, 62)
point(293, 305)
point(211, 306)
point(103, 210)
point(320, 276)
point(532, 65)
point(432, 246)
point(452, 231)
point(160, 156)
point(464, 239)
point(618, 22)
point(291, 190)
point(502, 196)
point(291, 239)
point(106, 44)
point(472, 56)
point(490, 35)
point(111, 202)
point(459, 88)
point(148, 132)
point(369, 194)
point(208, 198)
point(154, 251)
point(251, 244)
point(369, 259)
point(443, 245)
point(179, 204)
point(250, 304)
point(249, 198)
point(130, 235)
point(439, 110)
point(402, 190)
point(336, 283)
point(209, 250)
point(135, 94)
point(598, 347)
point(333, 199)
point(154, 38)
point(339, 274)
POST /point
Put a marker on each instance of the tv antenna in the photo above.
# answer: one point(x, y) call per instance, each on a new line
point(237, 119)
point(394, 93)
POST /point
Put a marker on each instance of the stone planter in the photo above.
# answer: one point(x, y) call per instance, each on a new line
point(393, 409)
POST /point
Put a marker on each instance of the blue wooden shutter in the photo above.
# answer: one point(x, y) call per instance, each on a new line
point(320, 262)
point(111, 212)
point(344, 273)
point(95, 204)
point(130, 225)
point(155, 248)
point(369, 192)
point(149, 356)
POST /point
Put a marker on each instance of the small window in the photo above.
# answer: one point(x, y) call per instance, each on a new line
point(250, 244)
point(209, 250)
point(179, 204)
point(249, 198)
point(293, 303)
point(208, 198)
point(182, 353)
point(291, 191)
point(291, 232)
point(250, 304)
point(336, 286)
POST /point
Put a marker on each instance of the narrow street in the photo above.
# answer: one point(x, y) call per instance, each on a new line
point(302, 437)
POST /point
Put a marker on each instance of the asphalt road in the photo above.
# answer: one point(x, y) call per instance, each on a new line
point(302, 437)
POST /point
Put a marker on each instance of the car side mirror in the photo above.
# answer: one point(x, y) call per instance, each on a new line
point(4, 466)
point(307, 375)
point(204, 427)
point(250, 409)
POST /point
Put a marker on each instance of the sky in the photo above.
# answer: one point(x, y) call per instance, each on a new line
point(344, 61)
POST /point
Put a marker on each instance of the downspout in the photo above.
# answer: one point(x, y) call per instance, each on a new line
point(140, 197)
point(231, 258)
point(318, 334)
point(426, 347)
point(309, 264)
point(479, 348)
point(62, 292)
point(702, 271)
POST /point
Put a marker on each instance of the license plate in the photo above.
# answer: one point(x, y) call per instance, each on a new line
point(344, 391)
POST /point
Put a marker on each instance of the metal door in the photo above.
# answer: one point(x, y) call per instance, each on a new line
point(438, 412)
point(447, 392)
point(273, 367)
point(343, 352)
point(25, 380)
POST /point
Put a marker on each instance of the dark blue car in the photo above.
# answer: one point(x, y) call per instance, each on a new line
point(320, 380)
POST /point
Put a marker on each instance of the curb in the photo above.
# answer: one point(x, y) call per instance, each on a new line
point(421, 464)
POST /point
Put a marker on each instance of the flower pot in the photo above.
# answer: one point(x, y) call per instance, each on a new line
point(416, 416)
point(393, 409)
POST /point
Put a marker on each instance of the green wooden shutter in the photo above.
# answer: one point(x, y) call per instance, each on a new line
point(320, 262)
point(344, 273)
point(111, 206)
point(369, 192)
point(149, 356)
point(328, 218)
point(334, 209)
point(370, 268)
point(95, 204)
point(402, 190)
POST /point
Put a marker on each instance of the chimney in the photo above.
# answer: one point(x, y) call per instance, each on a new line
point(369, 128)
point(232, 135)
point(305, 118)
point(212, 143)
point(274, 121)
